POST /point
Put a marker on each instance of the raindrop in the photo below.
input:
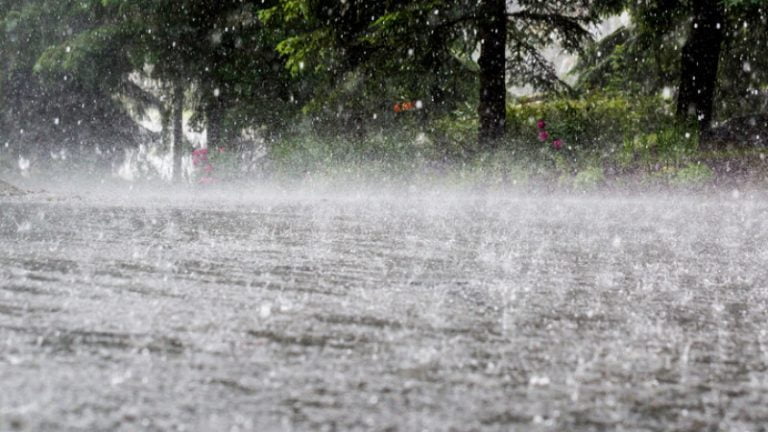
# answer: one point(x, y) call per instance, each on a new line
point(24, 226)
point(539, 381)
point(265, 310)
point(23, 163)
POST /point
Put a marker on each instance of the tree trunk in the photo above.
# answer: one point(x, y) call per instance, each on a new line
point(178, 132)
point(699, 63)
point(214, 116)
point(213, 131)
point(166, 137)
point(493, 89)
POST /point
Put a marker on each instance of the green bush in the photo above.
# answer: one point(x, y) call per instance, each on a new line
point(670, 146)
point(611, 129)
point(694, 174)
point(596, 122)
point(303, 153)
point(455, 134)
point(589, 178)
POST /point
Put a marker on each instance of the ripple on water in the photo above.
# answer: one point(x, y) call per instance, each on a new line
point(462, 314)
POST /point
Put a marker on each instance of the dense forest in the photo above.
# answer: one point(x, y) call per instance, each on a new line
point(318, 81)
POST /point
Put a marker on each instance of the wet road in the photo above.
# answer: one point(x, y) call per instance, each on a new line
point(432, 311)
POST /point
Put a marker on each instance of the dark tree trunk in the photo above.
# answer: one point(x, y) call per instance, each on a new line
point(699, 63)
point(165, 123)
point(214, 115)
point(435, 62)
point(493, 89)
point(178, 132)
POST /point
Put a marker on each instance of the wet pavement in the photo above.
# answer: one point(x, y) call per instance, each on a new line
point(434, 311)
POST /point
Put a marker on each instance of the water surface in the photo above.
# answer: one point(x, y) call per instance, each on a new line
point(380, 310)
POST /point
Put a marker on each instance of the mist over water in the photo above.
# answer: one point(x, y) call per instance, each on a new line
point(381, 307)
point(418, 215)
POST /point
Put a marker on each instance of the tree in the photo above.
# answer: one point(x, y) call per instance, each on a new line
point(717, 72)
point(49, 109)
point(178, 132)
point(492, 109)
point(393, 42)
point(699, 62)
point(219, 57)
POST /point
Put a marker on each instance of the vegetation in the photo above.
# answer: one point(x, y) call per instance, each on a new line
point(406, 85)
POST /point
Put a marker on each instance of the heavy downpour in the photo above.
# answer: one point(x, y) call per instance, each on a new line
point(411, 215)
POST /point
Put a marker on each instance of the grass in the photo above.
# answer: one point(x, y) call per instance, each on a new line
point(667, 156)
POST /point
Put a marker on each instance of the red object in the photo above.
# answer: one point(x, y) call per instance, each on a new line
point(557, 144)
point(543, 135)
point(199, 156)
point(404, 106)
point(541, 124)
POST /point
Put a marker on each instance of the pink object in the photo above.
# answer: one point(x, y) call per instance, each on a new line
point(199, 156)
point(543, 135)
point(557, 144)
point(541, 124)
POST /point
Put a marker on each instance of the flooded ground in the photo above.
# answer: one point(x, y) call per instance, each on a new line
point(430, 311)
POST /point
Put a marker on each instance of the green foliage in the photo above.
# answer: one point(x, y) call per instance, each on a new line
point(629, 61)
point(667, 147)
point(46, 99)
point(309, 153)
point(589, 178)
point(644, 57)
point(319, 79)
point(597, 123)
point(75, 58)
point(456, 132)
point(693, 174)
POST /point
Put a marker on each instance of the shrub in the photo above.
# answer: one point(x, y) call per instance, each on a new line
point(597, 122)
point(589, 178)
point(694, 174)
point(670, 146)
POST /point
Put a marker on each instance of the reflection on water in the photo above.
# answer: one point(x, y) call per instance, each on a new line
point(487, 312)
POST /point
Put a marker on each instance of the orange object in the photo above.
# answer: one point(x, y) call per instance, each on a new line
point(404, 106)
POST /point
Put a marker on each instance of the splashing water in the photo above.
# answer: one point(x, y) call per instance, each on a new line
point(376, 309)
